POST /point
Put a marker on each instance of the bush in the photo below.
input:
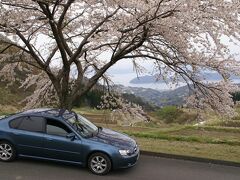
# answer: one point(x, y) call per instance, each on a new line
point(91, 99)
point(169, 113)
point(173, 114)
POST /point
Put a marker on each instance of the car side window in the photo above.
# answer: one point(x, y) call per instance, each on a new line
point(56, 128)
point(32, 124)
point(15, 122)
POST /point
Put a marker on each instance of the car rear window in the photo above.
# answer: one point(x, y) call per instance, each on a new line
point(33, 124)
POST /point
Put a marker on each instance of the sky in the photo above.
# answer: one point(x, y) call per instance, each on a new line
point(123, 71)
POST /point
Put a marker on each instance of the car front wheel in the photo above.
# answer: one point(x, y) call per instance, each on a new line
point(99, 163)
point(7, 151)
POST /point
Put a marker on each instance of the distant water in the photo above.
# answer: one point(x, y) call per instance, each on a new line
point(124, 79)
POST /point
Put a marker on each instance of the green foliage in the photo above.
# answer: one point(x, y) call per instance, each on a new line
point(91, 99)
point(169, 113)
point(173, 114)
point(236, 96)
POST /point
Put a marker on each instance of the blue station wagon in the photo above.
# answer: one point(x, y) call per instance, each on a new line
point(65, 136)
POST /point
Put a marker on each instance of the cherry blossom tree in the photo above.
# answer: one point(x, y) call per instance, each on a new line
point(73, 43)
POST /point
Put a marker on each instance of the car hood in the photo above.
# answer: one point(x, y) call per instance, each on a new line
point(114, 138)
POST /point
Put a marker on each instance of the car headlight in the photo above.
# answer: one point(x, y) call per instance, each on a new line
point(124, 152)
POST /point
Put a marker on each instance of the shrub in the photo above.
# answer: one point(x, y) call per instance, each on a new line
point(173, 114)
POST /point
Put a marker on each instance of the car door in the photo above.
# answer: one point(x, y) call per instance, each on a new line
point(58, 146)
point(27, 132)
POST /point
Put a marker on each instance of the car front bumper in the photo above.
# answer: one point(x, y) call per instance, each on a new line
point(126, 161)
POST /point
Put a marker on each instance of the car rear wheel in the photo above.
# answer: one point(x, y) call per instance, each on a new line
point(99, 163)
point(7, 151)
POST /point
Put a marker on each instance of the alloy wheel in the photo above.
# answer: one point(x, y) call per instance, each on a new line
point(6, 152)
point(98, 164)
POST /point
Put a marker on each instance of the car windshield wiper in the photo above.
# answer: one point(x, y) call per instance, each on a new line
point(83, 130)
point(79, 127)
point(94, 133)
point(99, 128)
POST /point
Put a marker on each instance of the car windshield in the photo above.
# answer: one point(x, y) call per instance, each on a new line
point(82, 125)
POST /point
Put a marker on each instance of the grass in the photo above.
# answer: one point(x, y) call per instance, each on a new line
point(212, 151)
point(184, 134)
point(220, 143)
point(175, 132)
point(10, 99)
point(226, 123)
point(216, 128)
point(95, 115)
point(11, 96)
point(198, 139)
point(7, 109)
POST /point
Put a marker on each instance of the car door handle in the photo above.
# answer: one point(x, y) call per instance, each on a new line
point(16, 134)
point(49, 139)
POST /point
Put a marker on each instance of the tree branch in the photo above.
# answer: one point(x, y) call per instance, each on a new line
point(61, 19)
point(31, 50)
point(84, 41)
point(6, 48)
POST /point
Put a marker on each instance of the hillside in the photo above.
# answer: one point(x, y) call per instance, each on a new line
point(158, 98)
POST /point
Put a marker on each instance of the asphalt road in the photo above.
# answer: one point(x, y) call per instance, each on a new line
point(148, 168)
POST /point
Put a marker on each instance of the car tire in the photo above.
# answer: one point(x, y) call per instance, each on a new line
point(7, 151)
point(99, 163)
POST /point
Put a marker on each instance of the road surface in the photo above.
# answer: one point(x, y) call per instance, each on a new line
point(148, 168)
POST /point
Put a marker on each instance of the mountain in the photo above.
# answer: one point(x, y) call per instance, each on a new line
point(156, 97)
point(148, 79)
point(145, 80)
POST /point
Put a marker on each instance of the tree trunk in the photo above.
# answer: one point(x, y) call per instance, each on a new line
point(66, 102)
point(65, 95)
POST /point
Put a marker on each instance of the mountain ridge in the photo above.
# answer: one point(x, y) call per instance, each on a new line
point(148, 79)
point(158, 98)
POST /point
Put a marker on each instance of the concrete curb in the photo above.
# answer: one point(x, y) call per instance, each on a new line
point(190, 158)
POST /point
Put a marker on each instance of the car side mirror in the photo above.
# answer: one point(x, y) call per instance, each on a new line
point(71, 136)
